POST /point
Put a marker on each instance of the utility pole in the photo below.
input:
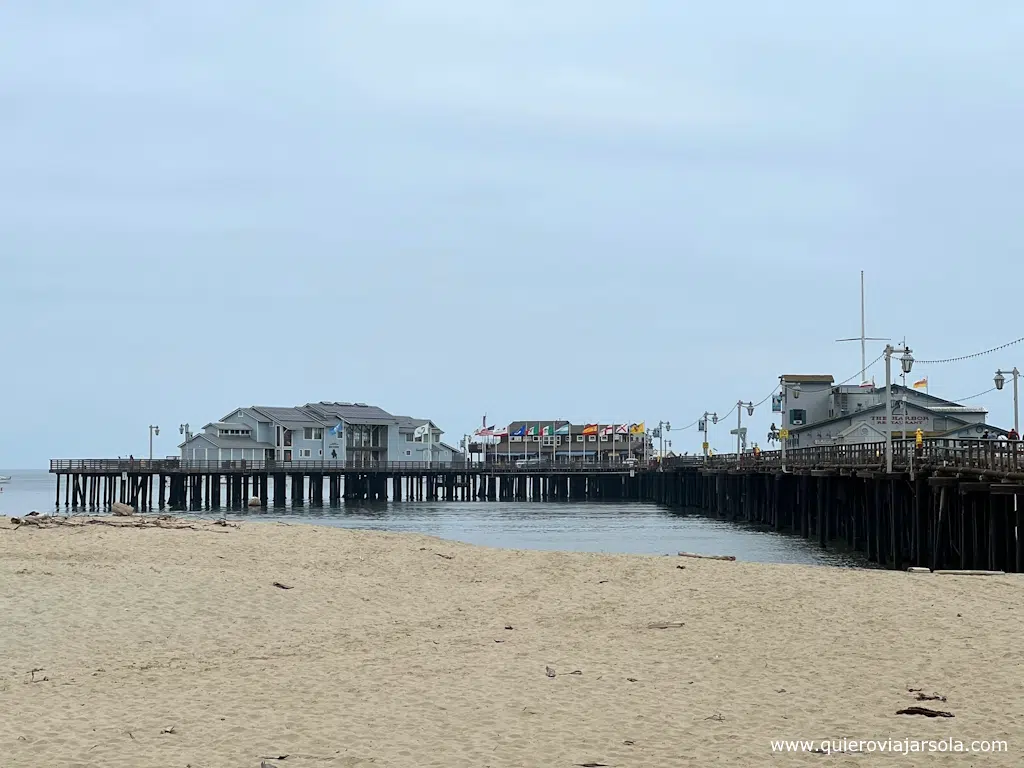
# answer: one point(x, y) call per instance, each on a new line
point(906, 363)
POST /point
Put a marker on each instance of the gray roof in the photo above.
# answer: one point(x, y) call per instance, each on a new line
point(232, 441)
point(290, 417)
point(354, 413)
point(408, 422)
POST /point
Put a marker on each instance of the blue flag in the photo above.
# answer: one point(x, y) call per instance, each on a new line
point(336, 429)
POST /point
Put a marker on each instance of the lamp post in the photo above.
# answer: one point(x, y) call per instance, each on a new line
point(663, 426)
point(906, 363)
point(1000, 380)
point(740, 405)
point(704, 428)
point(786, 389)
point(183, 430)
point(152, 431)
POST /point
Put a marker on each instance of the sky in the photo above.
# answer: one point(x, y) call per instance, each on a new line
point(589, 210)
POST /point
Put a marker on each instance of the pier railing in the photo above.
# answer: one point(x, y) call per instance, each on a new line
point(994, 455)
point(308, 466)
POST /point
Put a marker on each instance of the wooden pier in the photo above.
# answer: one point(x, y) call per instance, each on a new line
point(948, 504)
point(200, 485)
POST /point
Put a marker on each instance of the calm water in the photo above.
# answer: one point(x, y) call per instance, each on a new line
point(633, 527)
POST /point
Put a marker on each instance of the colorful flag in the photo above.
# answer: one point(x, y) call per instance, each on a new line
point(336, 429)
point(485, 431)
point(563, 430)
point(637, 429)
point(867, 384)
point(622, 429)
point(499, 431)
point(922, 384)
point(608, 430)
point(520, 432)
point(548, 430)
point(533, 431)
point(590, 429)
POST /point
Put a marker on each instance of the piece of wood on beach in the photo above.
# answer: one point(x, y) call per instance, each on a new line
point(279, 585)
point(924, 711)
point(122, 510)
point(951, 572)
point(666, 625)
point(918, 569)
point(707, 557)
point(933, 697)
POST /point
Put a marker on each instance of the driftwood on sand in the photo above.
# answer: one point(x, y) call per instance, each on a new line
point(163, 521)
point(707, 557)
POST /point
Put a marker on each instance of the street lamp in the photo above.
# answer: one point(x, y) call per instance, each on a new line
point(1000, 380)
point(906, 363)
point(703, 427)
point(152, 431)
point(784, 395)
point(663, 426)
point(740, 405)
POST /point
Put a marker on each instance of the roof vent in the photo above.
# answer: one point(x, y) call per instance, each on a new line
point(362, 405)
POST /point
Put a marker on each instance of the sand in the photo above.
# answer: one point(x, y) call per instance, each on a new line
point(406, 650)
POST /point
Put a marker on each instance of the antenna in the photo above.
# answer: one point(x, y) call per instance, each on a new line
point(862, 338)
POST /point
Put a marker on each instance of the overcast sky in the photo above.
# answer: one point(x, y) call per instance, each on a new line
point(577, 209)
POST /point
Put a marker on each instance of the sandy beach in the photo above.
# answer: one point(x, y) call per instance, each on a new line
point(173, 647)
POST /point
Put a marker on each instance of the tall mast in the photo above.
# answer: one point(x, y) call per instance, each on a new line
point(863, 338)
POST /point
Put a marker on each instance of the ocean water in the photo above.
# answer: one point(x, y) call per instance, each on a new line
point(630, 527)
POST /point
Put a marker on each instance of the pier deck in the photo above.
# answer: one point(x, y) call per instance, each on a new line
point(951, 504)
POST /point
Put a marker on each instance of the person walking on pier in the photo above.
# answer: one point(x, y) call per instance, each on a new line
point(1012, 435)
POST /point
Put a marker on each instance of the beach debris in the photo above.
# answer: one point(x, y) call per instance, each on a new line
point(273, 757)
point(914, 690)
point(951, 572)
point(780, 690)
point(254, 501)
point(603, 581)
point(666, 625)
point(549, 671)
point(33, 679)
point(499, 641)
point(592, 765)
point(508, 626)
point(632, 680)
point(924, 711)
point(707, 557)
point(680, 567)
point(918, 569)
point(576, 672)
point(446, 557)
point(717, 717)
point(279, 585)
point(169, 729)
point(934, 697)
point(120, 509)
point(629, 742)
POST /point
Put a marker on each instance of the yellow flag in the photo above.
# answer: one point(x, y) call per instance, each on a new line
point(637, 429)
point(922, 384)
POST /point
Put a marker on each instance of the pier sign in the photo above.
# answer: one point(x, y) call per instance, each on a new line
point(916, 420)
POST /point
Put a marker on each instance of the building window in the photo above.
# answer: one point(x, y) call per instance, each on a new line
point(798, 416)
point(305, 453)
point(579, 438)
point(592, 438)
point(536, 438)
point(313, 433)
point(604, 438)
point(288, 455)
point(516, 438)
